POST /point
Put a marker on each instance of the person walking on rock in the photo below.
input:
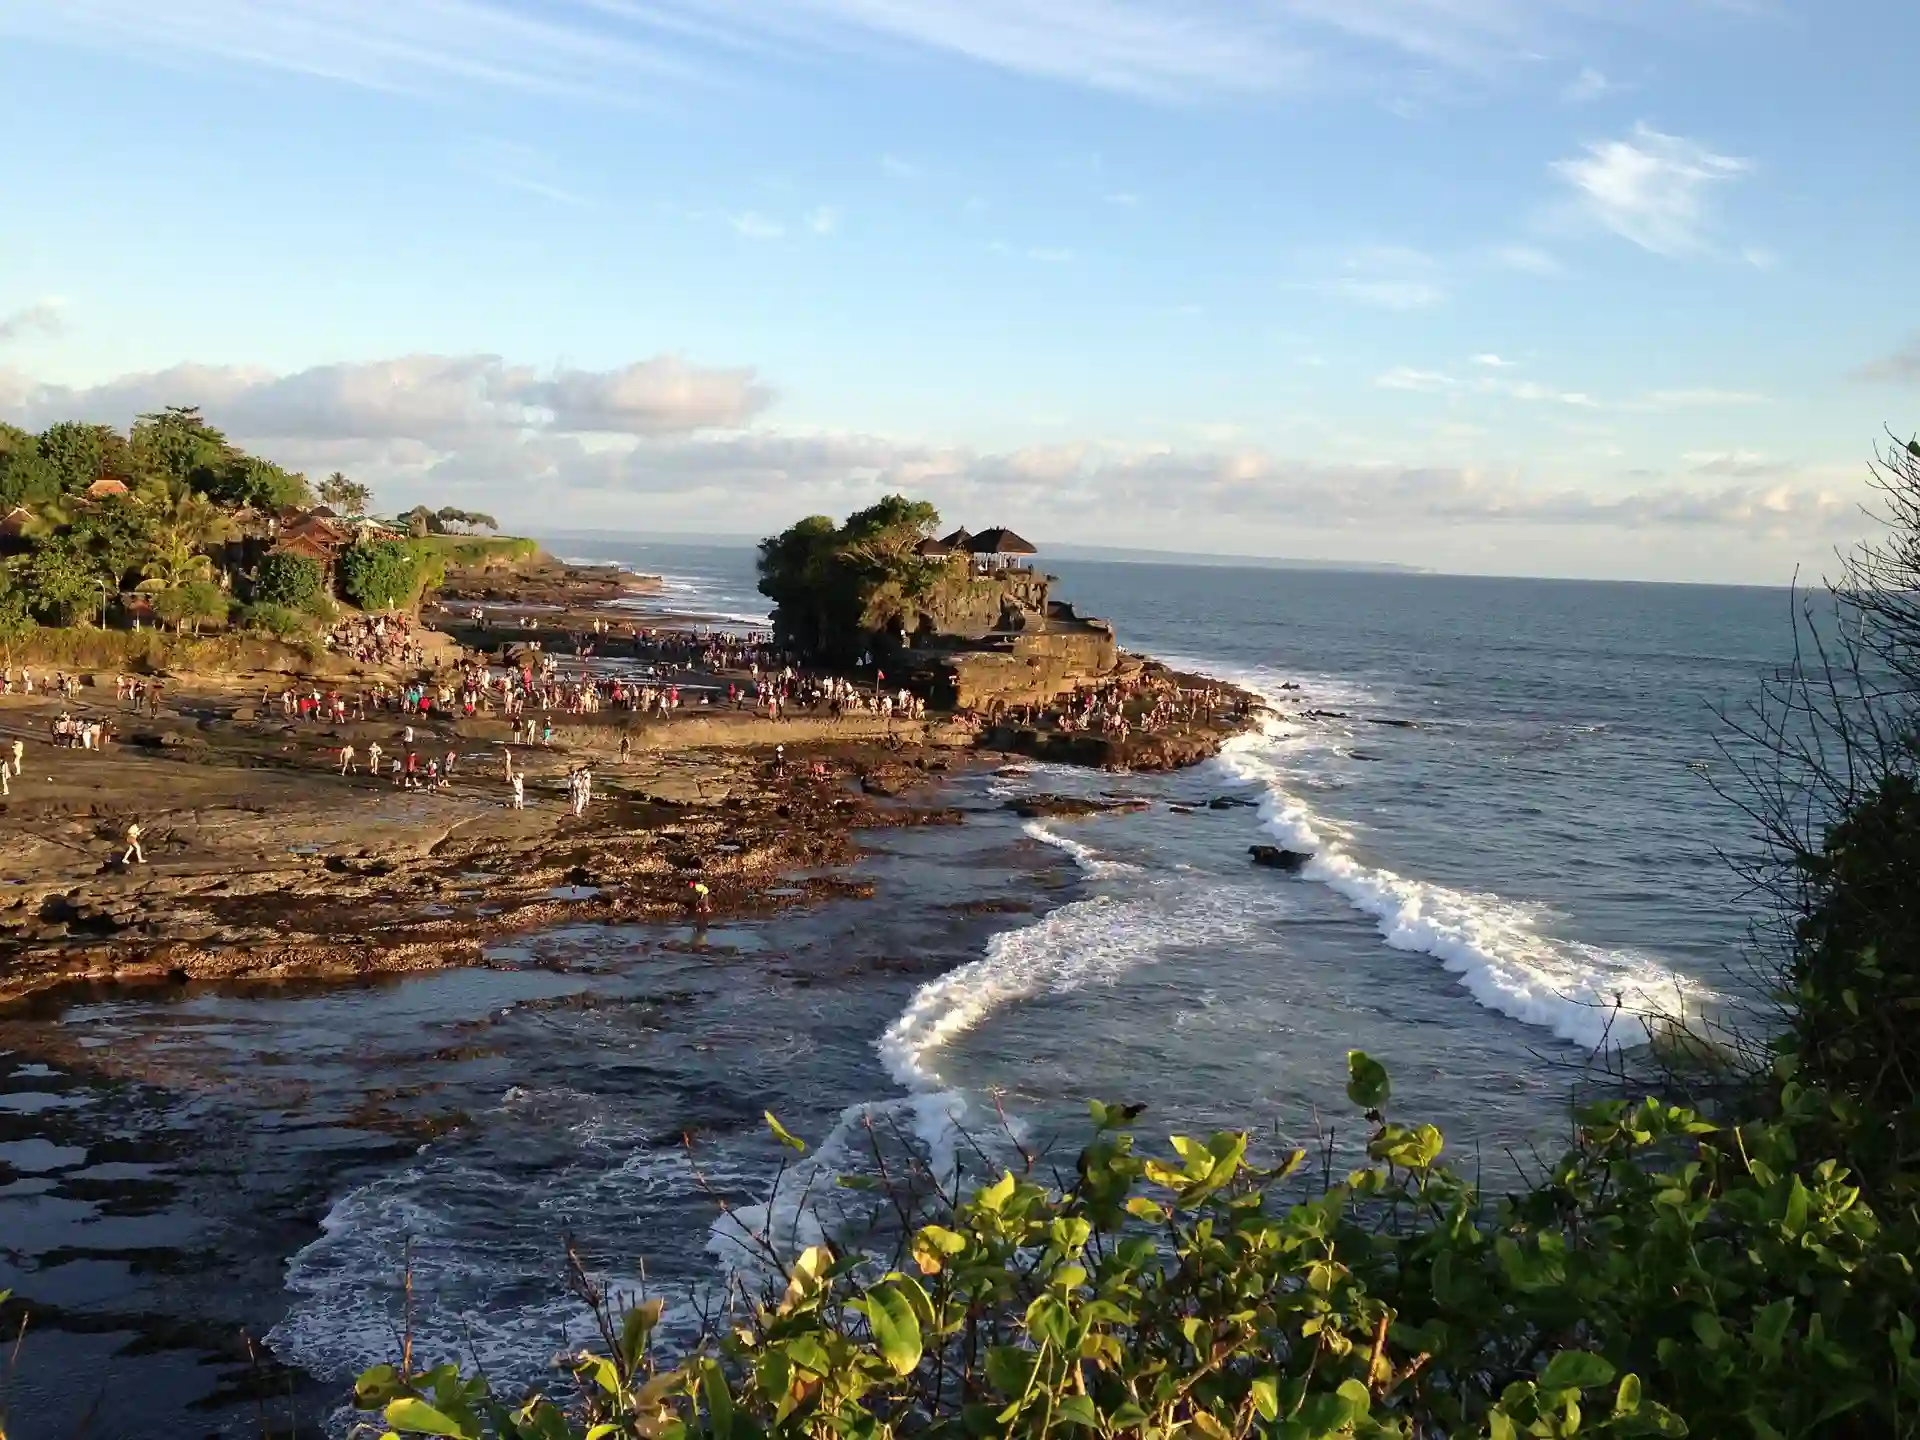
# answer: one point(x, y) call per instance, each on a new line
point(346, 759)
point(519, 792)
point(19, 750)
point(133, 851)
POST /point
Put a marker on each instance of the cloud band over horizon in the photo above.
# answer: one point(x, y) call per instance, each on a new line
point(475, 429)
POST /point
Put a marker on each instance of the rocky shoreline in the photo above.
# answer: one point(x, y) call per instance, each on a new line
point(263, 862)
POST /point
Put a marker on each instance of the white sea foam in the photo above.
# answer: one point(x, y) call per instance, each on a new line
point(1085, 856)
point(1582, 993)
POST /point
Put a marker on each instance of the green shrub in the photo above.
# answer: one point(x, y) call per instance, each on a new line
point(288, 580)
point(276, 620)
point(196, 603)
point(1668, 1276)
point(381, 574)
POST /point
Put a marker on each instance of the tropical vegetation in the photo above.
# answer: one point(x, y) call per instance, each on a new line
point(1724, 1249)
point(170, 518)
point(843, 590)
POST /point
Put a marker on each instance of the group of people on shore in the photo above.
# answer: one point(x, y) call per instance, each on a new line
point(376, 640)
point(1116, 708)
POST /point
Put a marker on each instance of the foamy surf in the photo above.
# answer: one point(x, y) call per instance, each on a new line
point(1582, 993)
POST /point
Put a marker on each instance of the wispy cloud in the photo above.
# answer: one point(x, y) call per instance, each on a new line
point(43, 317)
point(1123, 197)
point(1533, 392)
point(668, 435)
point(899, 169)
point(516, 167)
point(1902, 367)
point(823, 220)
point(591, 52)
point(1590, 85)
point(1652, 189)
point(1172, 51)
point(756, 226)
point(1387, 277)
point(1527, 259)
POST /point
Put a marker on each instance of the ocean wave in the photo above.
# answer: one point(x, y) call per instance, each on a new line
point(1582, 993)
point(1085, 856)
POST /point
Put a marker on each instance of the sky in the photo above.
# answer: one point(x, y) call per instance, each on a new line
point(1612, 288)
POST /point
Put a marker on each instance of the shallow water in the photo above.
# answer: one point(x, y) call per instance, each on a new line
point(1508, 875)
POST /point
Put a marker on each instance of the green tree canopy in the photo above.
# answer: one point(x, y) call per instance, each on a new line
point(176, 445)
point(380, 574)
point(189, 606)
point(59, 581)
point(348, 497)
point(293, 581)
point(835, 587)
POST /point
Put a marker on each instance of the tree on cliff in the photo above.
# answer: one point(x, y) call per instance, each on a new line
point(836, 587)
point(349, 497)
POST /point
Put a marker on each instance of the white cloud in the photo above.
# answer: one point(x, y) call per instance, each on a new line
point(756, 226)
point(823, 220)
point(1527, 259)
point(43, 317)
point(1405, 377)
point(662, 436)
point(1388, 277)
point(1651, 189)
point(515, 167)
point(614, 50)
point(1494, 362)
point(434, 399)
point(1590, 85)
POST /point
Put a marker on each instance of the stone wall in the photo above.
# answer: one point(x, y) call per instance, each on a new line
point(1033, 670)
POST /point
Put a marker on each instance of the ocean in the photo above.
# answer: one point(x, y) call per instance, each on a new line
point(1519, 855)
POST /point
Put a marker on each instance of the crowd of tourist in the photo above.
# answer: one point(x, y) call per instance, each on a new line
point(376, 640)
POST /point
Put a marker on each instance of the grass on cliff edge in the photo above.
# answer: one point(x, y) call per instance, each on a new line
point(480, 550)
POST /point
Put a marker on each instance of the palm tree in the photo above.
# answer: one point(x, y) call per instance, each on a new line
point(172, 562)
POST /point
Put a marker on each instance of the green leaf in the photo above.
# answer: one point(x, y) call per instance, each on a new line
point(1356, 1395)
point(1266, 1397)
point(896, 1329)
point(1078, 1410)
point(1576, 1370)
point(1141, 1208)
point(1795, 1219)
point(993, 1197)
point(374, 1388)
point(1626, 1400)
point(1367, 1084)
point(1499, 1426)
point(1707, 1326)
point(781, 1134)
point(718, 1400)
point(416, 1417)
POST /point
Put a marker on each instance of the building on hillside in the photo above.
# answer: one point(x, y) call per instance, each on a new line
point(13, 529)
point(997, 549)
point(106, 487)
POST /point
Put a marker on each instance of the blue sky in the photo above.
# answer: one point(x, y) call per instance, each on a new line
point(1508, 286)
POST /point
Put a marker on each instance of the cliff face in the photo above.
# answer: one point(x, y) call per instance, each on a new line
point(972, 607)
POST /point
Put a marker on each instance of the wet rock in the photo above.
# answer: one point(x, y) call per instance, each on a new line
point(1050, 807)
point(1231, 802)
point(1274, 858)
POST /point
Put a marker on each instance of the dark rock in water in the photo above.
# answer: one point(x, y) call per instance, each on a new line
point(888, 783)
point(1274, 858)
point(1047, 807)
point(1395, 724)
point(1232, 802)
point(1181, 809)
